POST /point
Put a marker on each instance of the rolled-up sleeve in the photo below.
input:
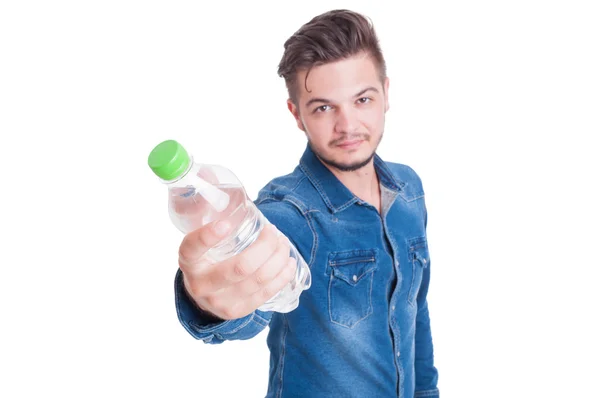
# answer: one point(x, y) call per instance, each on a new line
point(205, 327)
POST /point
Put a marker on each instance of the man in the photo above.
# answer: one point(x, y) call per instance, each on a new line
point(363, 327)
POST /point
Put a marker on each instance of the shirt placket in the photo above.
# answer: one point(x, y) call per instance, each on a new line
point(396, 336)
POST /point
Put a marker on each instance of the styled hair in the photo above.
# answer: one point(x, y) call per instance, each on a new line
point(332, 36)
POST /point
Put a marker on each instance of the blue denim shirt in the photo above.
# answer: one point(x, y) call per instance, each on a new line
point(362, 329)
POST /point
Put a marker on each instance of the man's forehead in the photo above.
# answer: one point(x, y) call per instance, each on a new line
point(341, 78)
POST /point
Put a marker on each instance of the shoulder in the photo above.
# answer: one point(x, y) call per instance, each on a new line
point(285, 193)
point(282, 203)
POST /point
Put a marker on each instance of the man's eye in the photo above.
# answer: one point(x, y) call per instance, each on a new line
point(364, 100)
point(322, 108)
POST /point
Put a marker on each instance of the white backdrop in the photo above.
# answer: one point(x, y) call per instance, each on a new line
point(495, 105)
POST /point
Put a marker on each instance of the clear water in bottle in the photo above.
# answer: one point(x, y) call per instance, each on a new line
point(200, 194)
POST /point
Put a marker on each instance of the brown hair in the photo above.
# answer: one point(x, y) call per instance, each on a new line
point(331, 36)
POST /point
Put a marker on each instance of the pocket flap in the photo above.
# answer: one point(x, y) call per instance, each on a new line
point(418, 250)
point(352, 265)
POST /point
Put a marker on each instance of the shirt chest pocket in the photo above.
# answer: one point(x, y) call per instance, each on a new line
point(418, 257)
point(351, 285)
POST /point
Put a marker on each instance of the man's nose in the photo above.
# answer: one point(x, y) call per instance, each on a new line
point(346, 120)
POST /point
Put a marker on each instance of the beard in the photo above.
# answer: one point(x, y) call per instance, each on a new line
point(345, 167)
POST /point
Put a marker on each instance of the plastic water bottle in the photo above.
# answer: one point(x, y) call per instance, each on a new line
point(199, 194)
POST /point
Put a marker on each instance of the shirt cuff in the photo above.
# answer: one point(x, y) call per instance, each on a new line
point(435, 393)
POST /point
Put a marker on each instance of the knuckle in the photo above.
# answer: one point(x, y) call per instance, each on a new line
point(240, 269)
point(274, 243)
point(183, 255)
point(187, 255)
point(259, 279)
point(198, 237)
point(267, 293)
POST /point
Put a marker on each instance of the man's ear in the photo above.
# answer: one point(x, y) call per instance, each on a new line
point(386, 89)
point(296, 113)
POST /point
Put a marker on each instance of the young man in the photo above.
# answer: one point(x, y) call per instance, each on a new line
point(363, 327)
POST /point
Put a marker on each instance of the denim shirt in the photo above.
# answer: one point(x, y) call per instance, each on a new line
point(362, 329)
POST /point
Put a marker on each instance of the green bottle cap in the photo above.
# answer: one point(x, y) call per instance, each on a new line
point(169, 160)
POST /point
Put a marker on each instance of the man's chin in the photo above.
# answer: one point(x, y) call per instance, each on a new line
point(350, 166)
point(353, 165)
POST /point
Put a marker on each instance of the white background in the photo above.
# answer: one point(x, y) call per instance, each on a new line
point(495, 104)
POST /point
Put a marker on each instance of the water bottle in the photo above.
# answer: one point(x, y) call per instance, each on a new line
point(199, 194)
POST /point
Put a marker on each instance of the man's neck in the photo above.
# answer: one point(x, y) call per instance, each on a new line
point(363, 183)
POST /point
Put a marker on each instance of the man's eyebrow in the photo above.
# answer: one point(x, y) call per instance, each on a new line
point(326, 101)
point(315, 100)
point(365, 90)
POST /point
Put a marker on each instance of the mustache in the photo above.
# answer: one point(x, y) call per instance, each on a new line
point(353, 137)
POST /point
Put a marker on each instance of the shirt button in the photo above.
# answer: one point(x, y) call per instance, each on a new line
point(397, 263)
point(393, 307)
point(354, 278)
point(398, 354)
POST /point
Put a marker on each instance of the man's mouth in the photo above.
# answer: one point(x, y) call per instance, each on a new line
point(349, 144)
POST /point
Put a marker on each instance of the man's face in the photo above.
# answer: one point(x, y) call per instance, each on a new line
point(343, 111)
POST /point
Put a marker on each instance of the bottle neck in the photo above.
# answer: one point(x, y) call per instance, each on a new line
point(181, 180)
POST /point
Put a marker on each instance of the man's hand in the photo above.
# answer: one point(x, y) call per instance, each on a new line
point(239, 285)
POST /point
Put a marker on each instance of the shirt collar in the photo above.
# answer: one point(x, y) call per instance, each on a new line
point(335, 194)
